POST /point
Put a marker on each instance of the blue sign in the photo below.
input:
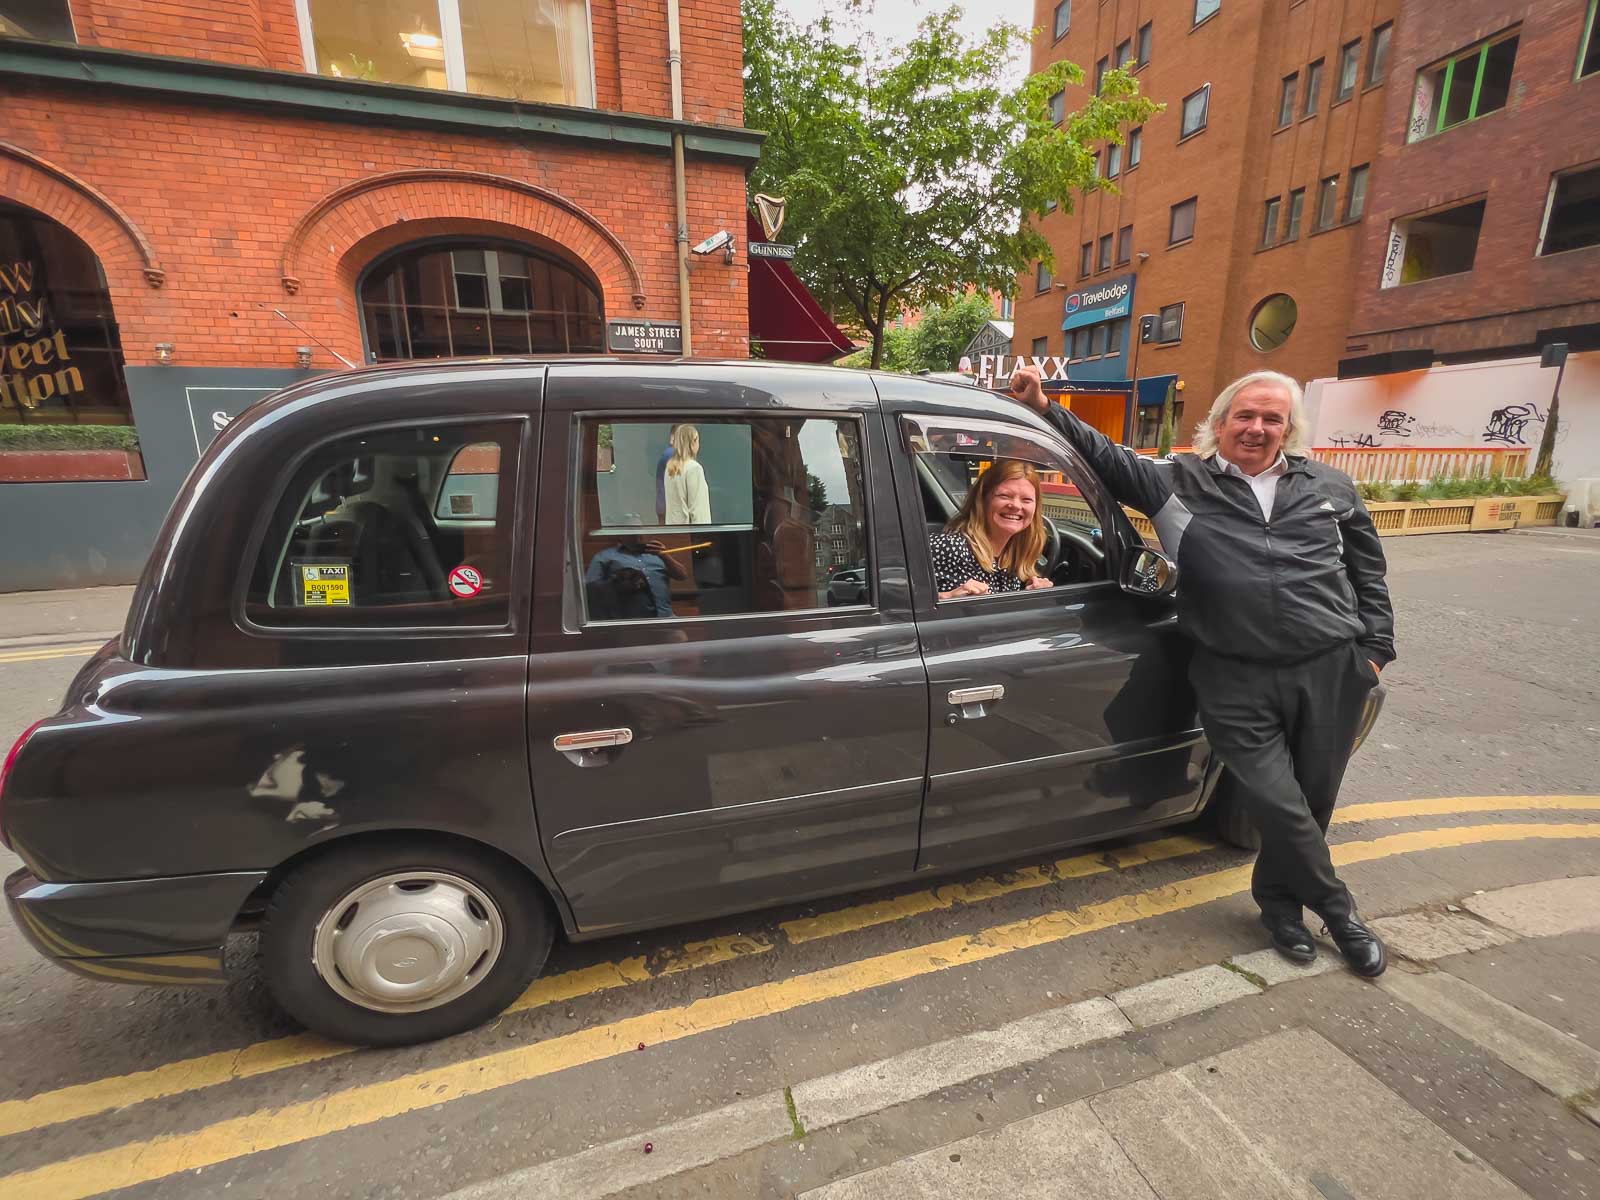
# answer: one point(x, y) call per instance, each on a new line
point(1099, 302)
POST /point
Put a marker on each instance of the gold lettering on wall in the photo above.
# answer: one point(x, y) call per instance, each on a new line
point(35, 362)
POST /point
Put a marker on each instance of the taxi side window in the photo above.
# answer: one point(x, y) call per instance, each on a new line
point(701, 516)
point(392, 527)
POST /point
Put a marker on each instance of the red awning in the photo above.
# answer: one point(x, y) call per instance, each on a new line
point(784, 318)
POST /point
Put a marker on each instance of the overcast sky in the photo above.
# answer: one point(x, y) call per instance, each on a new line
point(894, 20)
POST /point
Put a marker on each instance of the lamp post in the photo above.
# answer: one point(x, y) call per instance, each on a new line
point(1147, 330)
point(1554, 355)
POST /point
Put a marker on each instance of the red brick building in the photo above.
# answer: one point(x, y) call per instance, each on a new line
point(1236, 222)
point(433, 177)
point(1484, 234)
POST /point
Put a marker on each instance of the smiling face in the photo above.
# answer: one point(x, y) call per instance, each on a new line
point(1009, 510)
point(1251, 434)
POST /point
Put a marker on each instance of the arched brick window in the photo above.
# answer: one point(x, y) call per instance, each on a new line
point(471, 297)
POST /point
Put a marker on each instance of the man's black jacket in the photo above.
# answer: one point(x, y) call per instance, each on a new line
point(1269, 591)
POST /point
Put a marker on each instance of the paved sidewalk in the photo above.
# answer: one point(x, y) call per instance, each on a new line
point(1470, 1072)
point(62, 618)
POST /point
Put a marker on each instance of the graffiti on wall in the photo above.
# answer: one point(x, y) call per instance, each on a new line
point(1508, 426)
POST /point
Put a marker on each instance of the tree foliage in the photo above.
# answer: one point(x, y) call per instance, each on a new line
point(946, 329)
point(913, 173)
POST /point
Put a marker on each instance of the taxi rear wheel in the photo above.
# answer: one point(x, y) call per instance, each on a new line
point(403, 941)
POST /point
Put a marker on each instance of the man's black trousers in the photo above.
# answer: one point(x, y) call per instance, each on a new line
point(1285, 734)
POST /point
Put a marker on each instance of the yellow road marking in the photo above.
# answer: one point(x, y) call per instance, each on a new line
point(156, 1158)
point(22, 656)
point(77, 1101)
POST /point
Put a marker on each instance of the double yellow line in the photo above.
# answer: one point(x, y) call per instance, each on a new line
point(155, 1158)
point(44, 653)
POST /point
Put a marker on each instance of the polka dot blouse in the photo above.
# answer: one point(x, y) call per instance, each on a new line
point(954, 563)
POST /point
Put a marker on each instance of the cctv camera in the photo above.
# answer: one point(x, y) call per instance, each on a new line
point(715, 242)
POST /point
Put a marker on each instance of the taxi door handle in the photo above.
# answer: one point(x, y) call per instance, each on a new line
point(583, 749)
point(971, 700)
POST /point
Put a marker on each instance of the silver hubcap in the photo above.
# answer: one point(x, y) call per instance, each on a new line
point(408, 941)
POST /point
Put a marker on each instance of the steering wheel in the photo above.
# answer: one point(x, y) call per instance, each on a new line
point(1056, 538)
point(1054, 550)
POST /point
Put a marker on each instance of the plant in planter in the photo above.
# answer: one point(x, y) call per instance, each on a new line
point(42, 453)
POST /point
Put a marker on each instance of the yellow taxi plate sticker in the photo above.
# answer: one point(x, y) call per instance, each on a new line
point(324, 584)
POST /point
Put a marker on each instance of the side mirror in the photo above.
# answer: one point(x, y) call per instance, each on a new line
point(1149, 573)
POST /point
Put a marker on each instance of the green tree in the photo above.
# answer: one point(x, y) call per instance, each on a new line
point(816, 493)
point(945, 330)
point(914, 173)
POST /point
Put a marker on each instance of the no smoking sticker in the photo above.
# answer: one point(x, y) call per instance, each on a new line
point(466, 582)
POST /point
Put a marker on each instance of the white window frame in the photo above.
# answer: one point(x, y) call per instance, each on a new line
point(455, 60)
point(1550, 205)
point(1205, 117)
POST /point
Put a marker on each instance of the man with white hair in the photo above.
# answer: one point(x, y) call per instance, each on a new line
point(1282, 590)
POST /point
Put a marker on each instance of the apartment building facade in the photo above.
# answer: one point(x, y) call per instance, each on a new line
point(1237, 213)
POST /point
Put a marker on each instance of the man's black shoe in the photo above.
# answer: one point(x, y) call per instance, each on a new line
point(1291, 939)
point(1359, 945)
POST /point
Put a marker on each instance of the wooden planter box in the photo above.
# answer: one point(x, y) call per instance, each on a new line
point(69, 466)
point(1397, 518)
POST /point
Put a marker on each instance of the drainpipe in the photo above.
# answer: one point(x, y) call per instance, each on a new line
point(679, 185)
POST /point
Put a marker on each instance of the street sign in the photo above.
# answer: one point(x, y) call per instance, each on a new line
point(770, 250)
point(644, 337)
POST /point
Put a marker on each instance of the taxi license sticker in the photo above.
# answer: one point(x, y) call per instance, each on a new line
point(466, 582)
point(324, 584)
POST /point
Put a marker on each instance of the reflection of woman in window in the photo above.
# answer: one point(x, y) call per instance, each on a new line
point(993, 543)
point(688, 500)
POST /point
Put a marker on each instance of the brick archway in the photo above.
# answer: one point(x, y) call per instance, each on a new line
point(395, 204)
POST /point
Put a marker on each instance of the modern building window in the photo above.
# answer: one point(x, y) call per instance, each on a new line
point(1125, 244)
point(1041, 278)
point(1058, 107)
point(1433, 246)
point(1572, 220)
point(1378, 54)
point(1328, 202)
point(1204, 9)
point(1063, 22)
point(1086, 258)
point(1113, 161)
point(45, 20)
point(1105, 252)
point(445, 301)
point(1135, 146)
point(517, 49)
point(1169, 323)
point(1181, 226)
point(1313, 88)
point(1349, 70)
point(1297, 204)
point(1100, 69)
point(1041, 346)
point(1589, 50)
point(1079, 349)
point(1124, 52)
point(1273, 321)
point(1269, 221)
point(1286, 95)
point(1099, 339)
point(1146, 38)
point(1469, 84)
point(1195, 106)
point(1355, 201)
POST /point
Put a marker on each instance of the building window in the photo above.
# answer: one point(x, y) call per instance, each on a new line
point(1041, 278)
point(518, 49)
point(1181, 227)
point(1378, 54)
point(1269, 221)
point(1573, 217)
point(1099, 339)
point(1051, 205)
point(1349, 70)
point(1146, 38)
point(1105, 252)
point(1063, 22)
point(1286, 96)
point(1113, 161)
point(1041, 346)
point(1125, 245)
point(446, 301)
point(61, 379)
point(1195, 105)
point(1135, 146)
point(1470, 84)
point(1086, 258)
point(1100, 69)
point(1273, 322)
point(1313, 88)
point(1205, 8)
point(1058, 107)
point(1169, 324)
point(1124, 52)
point(1355, 201)
point(1297, 204)
point(45, 20)
point(1433, 246)
point(1079, 349)
point(1589, 51)
point(1007, 308)
point(1328, 202)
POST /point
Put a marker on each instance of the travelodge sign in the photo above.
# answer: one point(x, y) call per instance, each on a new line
point(1098, 302)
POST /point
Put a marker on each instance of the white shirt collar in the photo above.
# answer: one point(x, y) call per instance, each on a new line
point(1277, 468)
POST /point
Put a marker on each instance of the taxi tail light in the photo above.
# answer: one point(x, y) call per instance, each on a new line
point(5, 772)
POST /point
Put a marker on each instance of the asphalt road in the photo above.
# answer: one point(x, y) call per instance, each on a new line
point(188, 1094)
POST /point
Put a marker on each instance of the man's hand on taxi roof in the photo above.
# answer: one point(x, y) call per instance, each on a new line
point(1026, 388)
